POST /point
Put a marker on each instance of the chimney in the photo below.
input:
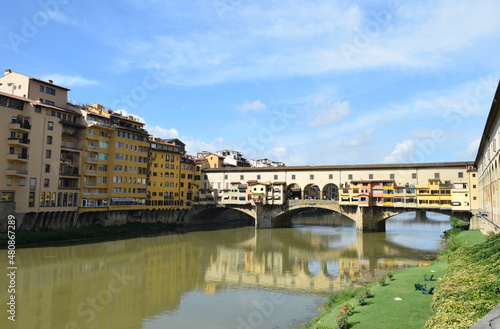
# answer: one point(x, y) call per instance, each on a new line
point(50, 81)
point(7, 71)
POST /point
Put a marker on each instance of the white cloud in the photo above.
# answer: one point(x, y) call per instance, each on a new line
point(360, 138)
point(403, 153)
point(324, 112)
point(69, 81)
point(270, 40)
point(161, 132)
point(59, 17)
point(255, 106)
point(470, 152)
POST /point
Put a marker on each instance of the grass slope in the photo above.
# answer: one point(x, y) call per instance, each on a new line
point(471, 286)
point(414, 310)
point(383, 312)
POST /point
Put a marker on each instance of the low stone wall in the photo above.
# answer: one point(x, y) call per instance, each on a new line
point(55, 220)
point(484, 224)
point(6, 209)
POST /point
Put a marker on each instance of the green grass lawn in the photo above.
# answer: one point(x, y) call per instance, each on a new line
point(383, 312)
point(414, 308)
point(469, 238)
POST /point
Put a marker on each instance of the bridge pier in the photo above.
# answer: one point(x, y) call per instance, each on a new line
point(420, 215)
point(370, 219)
point(268, 216)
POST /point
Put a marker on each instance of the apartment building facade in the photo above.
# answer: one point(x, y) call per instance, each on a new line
point(163, 174)
point(73, 165)
point(43, 150)
point(488, 169)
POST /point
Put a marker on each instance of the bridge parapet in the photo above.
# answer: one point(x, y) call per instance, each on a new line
point(313, 203)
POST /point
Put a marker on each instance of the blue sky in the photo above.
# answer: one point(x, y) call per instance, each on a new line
point(306, 83)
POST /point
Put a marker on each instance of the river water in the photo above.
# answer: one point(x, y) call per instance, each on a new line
point(228, 278)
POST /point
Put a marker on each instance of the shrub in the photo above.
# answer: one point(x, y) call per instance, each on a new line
point(363, 295)
point(470, 288)
point(381, 281)
point(341, 320)
point(348, 308)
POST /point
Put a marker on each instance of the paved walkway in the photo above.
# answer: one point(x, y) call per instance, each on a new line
point(490, 320)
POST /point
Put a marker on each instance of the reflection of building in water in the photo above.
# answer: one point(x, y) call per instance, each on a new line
point(294, 270)
point(121, 284)
point(107, 285)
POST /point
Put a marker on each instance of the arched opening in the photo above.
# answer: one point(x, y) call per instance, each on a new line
point(294, 192)
point(330, 192)
point(313, 268)
point(312, 192)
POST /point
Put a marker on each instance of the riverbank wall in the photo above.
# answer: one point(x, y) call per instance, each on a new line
point(57, 220)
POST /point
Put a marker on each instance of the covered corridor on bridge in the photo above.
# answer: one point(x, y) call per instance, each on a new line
point(312, 191)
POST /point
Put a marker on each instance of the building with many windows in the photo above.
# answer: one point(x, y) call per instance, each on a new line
point(71, 165)
point(488, 170)
point(163, 174)
point(115, 161)
point(42, 149)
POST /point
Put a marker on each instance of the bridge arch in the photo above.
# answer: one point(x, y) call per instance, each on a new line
point(283, 217)
point(209, 214)
point(367, 219)
point(312, 268)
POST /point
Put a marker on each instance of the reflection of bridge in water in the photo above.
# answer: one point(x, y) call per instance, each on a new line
point(55, 284)
point(306, 262)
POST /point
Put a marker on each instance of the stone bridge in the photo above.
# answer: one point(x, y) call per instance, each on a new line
point(368, 219)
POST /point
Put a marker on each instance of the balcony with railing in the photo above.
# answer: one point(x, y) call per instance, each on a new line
point(18, 157)
point(91, 172)
point(91, 184)
point(95, 194)
point(69, 171)
point(20, 126)
point(68, 183)
point(70, 145)
point(69, 133)
point(16, 172)
point(101, 124)
point(92, 160)
point(18, 141)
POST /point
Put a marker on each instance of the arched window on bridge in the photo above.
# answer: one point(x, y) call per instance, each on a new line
point(312, 192)
point(330, 192)
point(294, 192)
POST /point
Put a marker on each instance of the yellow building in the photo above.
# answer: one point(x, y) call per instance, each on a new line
point(388, 190)
point(215, 161)
point(435, 194)
point(190, 182)
point(115, 161)
point(163, 174)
